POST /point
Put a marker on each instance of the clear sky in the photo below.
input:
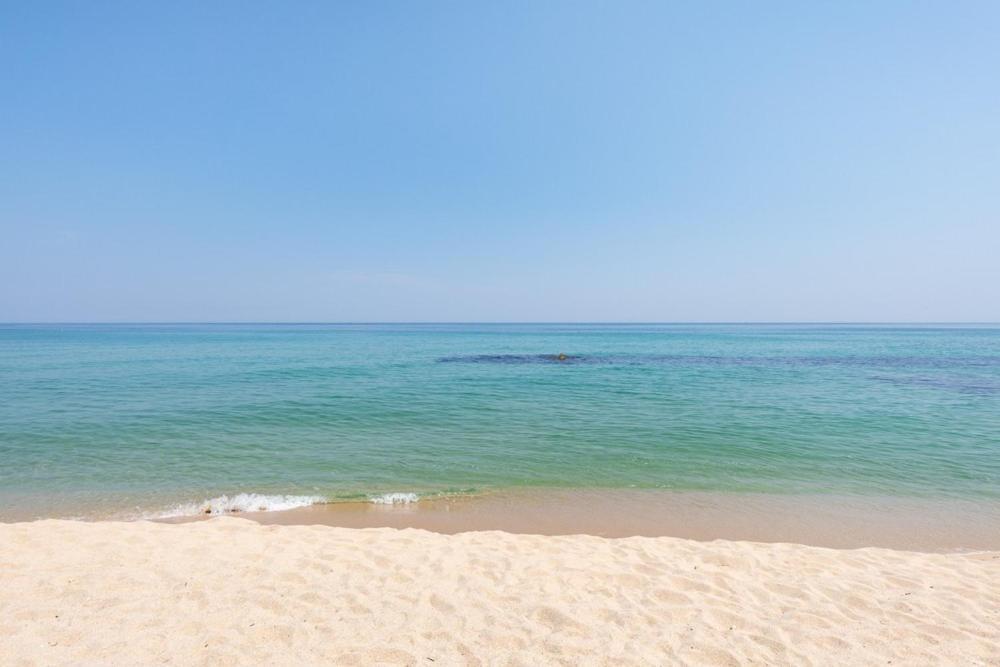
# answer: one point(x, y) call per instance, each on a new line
point(445, 161)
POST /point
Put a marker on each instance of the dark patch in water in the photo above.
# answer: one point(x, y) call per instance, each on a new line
point(521, 359)
point(905, 362)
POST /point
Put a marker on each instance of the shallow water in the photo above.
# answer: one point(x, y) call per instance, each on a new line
point(129, 420)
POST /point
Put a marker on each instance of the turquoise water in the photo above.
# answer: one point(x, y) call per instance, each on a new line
point(123, 418)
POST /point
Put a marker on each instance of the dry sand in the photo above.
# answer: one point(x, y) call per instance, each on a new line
point(231, 591)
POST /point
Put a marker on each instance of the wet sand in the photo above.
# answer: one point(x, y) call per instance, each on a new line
point(827, 521)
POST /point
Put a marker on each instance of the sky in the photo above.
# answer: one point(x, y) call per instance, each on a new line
point(507, 161)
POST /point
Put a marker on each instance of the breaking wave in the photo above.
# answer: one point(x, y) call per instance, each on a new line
point(258, 502)
point(395, 498)
point(242, 502)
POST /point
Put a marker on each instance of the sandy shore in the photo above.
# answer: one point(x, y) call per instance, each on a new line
point(231, 591)
point(841, 522)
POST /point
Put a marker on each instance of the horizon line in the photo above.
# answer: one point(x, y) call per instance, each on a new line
point(491, 322)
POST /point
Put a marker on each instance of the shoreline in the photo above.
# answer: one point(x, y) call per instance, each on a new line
point(835, 521)
point(825, 520)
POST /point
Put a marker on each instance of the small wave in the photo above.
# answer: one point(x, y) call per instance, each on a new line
point(242, 502)
point(394, 498)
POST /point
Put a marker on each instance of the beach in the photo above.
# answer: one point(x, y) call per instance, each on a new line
point(468, 494)
point(522, 333)
point(233, 591)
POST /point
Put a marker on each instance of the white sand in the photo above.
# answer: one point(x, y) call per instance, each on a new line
point(230, 591)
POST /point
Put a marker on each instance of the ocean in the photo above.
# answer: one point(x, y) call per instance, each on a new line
point(128, 421)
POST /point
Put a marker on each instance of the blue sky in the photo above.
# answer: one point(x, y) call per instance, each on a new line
point(444, 161)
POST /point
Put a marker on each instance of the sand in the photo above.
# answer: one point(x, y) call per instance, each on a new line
point(232, 591)
point(841, 522)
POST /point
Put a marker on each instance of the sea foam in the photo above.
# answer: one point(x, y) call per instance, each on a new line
point(242, 502)
point(395, 498)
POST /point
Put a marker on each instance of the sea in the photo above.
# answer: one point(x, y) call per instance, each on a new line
point(160, 420)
